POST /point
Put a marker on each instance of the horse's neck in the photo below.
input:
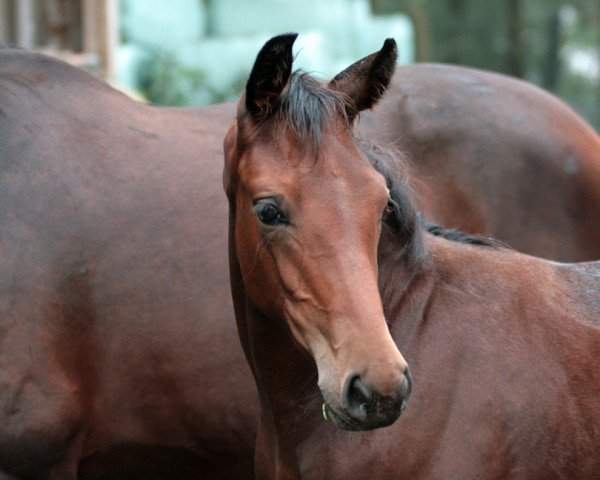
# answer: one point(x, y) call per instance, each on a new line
point(290, 401)
point(477, 316)
point(284, 373)
point(286, 377)
point(474, 281)
point(404, 288)
point(454, 267)
point(448, 269)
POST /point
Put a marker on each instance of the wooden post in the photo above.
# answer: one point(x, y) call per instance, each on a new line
point(100, 33)
point(25, 23)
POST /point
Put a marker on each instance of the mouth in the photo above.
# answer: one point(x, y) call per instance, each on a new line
point(370, 418)
point(345, 422)
point(341, 420)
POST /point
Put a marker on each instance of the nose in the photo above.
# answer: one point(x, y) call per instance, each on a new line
point(370, 408)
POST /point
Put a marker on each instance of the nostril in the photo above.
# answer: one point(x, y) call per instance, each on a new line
point(407, 380)
point(367, 406)
point(358, 395)
point(406, 387)
point(359, 386)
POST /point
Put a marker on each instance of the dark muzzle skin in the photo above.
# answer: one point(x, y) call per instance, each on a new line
point(366, 409)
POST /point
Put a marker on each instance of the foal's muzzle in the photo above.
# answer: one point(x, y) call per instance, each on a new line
point(366, 409)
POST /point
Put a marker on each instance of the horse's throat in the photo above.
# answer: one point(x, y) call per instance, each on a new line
point(286, 376)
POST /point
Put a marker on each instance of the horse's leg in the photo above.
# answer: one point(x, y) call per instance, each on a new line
point(69, 465)
point(41, 401)
point(47, 364)
point(38, 431)
point(6, 476)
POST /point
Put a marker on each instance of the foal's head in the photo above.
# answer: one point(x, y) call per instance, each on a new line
point(306, 206)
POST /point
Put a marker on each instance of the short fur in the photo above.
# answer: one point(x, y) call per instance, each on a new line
point(503, 347)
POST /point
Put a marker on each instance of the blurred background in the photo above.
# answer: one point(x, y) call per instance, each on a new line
point(195, 52)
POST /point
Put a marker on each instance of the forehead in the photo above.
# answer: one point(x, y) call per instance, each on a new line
point(279, 159)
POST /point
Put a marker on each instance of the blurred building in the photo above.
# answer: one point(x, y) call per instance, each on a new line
point(203, 50)
point(182, 52)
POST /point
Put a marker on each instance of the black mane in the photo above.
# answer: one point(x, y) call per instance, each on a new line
point(458, 236)
point(401, 217)
point(404, 220)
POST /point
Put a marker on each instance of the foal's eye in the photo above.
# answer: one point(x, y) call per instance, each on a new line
point(389, 209)
point(269, 213)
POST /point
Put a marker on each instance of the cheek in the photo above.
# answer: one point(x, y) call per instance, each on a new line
point(256, 264)
point(247, 245)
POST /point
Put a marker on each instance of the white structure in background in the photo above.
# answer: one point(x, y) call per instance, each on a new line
point(220, 38)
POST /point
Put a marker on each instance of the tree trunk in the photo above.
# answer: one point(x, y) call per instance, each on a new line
point(552, 65)
point(515, 63)
point(422, 27)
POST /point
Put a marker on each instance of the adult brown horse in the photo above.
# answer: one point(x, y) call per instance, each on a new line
point(119, 357)
point(116, 323)
point(504, 348)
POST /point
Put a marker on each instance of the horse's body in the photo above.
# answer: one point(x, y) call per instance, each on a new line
point(504, 351)
point(508, 159)
point(505, 385)
point(119, 355)
point(503, 348)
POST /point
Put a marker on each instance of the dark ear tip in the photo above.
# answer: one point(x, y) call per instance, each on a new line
point(285, 39)
point(276, 46)
point(291, 36)
point(389, 44)
point(390, 47)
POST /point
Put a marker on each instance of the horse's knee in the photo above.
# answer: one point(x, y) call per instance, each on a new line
point(7, 476)
point(38, 426)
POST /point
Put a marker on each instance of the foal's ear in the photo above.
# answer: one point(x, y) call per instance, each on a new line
point(365, 81)
point(270, 74)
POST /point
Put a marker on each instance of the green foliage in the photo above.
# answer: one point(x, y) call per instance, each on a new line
point(166, 81)
point(548, 42)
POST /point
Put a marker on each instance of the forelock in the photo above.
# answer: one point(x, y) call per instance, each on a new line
point(305, 108)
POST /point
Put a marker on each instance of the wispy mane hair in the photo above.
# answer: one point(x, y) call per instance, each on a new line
point(401, 218)
point(405, 222)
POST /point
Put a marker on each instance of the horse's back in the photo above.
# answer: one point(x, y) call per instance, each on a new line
point(115, 317)
point(584, 281)
point(495, 155)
